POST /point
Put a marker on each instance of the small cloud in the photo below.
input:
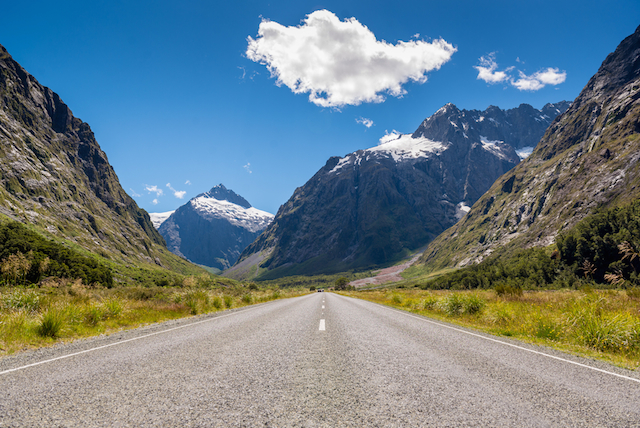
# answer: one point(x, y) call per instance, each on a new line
point(154, 189)
point(154, 202)
point(342, 63)
point(389, 136)
point(188, 183)
point(248, 167)
point(134, 193)
point(487, 70)
point(364, 121)
point(177, 193)
point(540, 79)
point(416, 36)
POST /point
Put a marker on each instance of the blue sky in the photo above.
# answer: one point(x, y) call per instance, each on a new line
point(179, 104)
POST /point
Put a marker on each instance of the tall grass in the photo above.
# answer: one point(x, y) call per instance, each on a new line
point(32, 317)
point(599, 323)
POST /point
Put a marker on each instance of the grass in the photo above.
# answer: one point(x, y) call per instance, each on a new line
point(602, 324)
point(64, 311)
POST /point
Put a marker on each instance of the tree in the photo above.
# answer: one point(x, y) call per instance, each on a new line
point(341, 283)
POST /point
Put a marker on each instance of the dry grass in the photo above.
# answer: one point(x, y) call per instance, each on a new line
point(67, 310)
point(598, 324)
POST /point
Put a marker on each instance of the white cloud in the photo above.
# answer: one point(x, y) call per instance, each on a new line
point(487, 70)
point(188, 182)
point(340, 62)
point(540, 79)
point(154, 189)
point(154, 202)
point(134, 193)
point(177, 193)
point(364, 121)
point(248, 167)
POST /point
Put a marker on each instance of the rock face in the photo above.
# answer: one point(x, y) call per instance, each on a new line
point(54, 175)
point(374, 206)
point(213, 228)
point(587, 159)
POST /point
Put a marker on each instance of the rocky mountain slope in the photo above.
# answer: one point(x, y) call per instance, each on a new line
point(374, 206)
point(213, 228)
point(54, 175)
point(587, 159)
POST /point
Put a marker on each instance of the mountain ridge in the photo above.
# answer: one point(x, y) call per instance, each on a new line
point(587, 159)
point(375, 206)
point(213, 228)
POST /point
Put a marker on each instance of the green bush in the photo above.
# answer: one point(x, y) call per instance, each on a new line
point(51, 323)
point(27, 300)
point(247, 299)
point(217, 302)
point(228, 301)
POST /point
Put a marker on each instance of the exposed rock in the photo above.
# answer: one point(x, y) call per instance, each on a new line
point(587, 159)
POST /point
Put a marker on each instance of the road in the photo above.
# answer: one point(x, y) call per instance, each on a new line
point(320, 360)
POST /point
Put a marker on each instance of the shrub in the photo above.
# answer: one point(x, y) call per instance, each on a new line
point(396, 299)
point(27, 300)
point(51, 323)
point(472, 304)
point(93, 315)
point(217, 302)
point(228, 301)
point(113, 308)
point(452, 304)
point(503, 289)
point(430, 303)
point(247, 299)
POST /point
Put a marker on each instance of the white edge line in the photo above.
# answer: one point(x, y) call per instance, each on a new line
point(125, 341)
point(504, 343)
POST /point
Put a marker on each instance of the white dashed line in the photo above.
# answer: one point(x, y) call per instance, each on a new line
point(321, 325)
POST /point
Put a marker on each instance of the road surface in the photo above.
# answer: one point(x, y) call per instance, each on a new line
point(320, 360)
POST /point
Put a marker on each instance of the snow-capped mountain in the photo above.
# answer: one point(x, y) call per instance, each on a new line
point(373, 206)
point(158, 218)
point(213, 228)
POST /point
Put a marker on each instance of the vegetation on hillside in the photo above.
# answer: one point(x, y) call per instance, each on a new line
point(26, 258)
point(601, 250)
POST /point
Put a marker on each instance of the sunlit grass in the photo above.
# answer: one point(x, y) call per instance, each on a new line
point(64, 311)
point(602, 324)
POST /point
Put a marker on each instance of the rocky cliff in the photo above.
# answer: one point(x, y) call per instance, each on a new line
point(587, 159)
point(374, 206)
point(54, 175)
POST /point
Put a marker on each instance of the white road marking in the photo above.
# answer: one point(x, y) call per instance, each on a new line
point(322, 306)
point(321, 325)
point(522, 348)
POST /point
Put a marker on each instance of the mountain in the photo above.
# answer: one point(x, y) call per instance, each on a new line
point(54, 176)
point(213, 228)
point(588, 159)
point(374, 206)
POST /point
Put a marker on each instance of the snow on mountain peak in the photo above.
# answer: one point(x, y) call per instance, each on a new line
point(158, 218)
point(251, 218)
point(406, 147)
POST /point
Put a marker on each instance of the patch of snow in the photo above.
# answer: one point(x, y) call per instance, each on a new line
point(407, 147)
point(453, 124)
point(342, 162)
point(492, 146)
point(251, 219)
point(524, 152)
point(158, 218)
point(481, 119)
point(461, 210)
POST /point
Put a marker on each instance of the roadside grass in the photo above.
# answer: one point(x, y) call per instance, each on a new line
point(601, 324)
point(63, 311)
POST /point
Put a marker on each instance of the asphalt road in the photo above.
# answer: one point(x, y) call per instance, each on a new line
point(293, 363)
